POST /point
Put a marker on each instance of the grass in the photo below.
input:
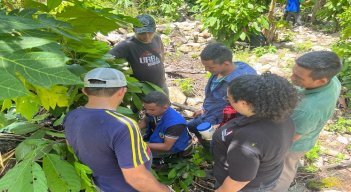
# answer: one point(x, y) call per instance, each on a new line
point(185, 85)
point(259, 51)
point(324, 183)
point(242, 55)
point(303, 47)
point(313, 154)
point(342, 125)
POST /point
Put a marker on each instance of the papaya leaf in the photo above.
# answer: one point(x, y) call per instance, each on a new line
point(32, 149)
point(21, 128)
point(26, 176)
point(39, 68)
point(60, 174)
point(10, 86)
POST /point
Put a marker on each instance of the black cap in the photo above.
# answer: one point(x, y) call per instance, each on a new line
point(148, 22)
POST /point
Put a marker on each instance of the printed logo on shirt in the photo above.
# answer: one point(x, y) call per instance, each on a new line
point(149, 59)
point(225, 133)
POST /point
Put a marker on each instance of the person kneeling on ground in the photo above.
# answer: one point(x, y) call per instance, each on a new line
point(249, 150)
point(166, 131)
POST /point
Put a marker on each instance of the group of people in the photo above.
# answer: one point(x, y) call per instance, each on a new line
point(257, 150)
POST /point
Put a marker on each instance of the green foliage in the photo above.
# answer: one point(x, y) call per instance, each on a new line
point(327, 182)
point(342, 125)
point(313, 154)
point(185, 85)
point(242, 55)
point(331, 10)
point(309, 169)
point(25, 176)
point(230, 20)
point(181, 172)
point(45, 49)
point(259, 51)
point(343, 49)
point(303, 46)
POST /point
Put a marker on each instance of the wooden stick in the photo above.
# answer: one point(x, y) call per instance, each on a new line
point(185, 107)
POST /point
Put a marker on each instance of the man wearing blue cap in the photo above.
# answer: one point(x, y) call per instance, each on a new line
point(144, 53)
point(110, 143)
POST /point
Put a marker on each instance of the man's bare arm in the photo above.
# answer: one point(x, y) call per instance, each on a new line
point(142, 180)
point(230, 185)
point(166, 146)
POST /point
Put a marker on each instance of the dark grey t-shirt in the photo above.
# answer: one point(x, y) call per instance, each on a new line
point(145, 59)
point(251, 149)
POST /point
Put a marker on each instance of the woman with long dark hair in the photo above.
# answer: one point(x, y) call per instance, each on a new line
point(249, 150)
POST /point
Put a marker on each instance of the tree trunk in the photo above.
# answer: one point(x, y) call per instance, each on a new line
point(270, 33)
point(317, 5)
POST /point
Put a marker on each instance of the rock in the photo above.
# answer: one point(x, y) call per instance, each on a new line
point(343, 140)
point(185, 48)
point(122, 31)
point(265, 68)
point(205, 34)
point(187, 113)
point(268, 58)
point(99, 36)
point(193, 101)
point(190, 47)
point(115, 38)
point(318, 48)
point(176, 95)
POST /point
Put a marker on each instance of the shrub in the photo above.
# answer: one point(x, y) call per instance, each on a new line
point(230, 20)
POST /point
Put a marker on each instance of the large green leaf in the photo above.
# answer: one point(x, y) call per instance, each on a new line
point(61, 175)
point(10, 44)
point(33, 149)
point(39, 68)
point(10, 23)
point(52, 4)
point(10, 86)
point(21, 128)
point(26, 176)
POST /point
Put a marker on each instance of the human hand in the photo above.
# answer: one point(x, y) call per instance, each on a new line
point(198, 113)
point(142, 123)
point(215, 126)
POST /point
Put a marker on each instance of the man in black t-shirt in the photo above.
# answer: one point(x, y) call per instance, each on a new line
point(144, 53)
